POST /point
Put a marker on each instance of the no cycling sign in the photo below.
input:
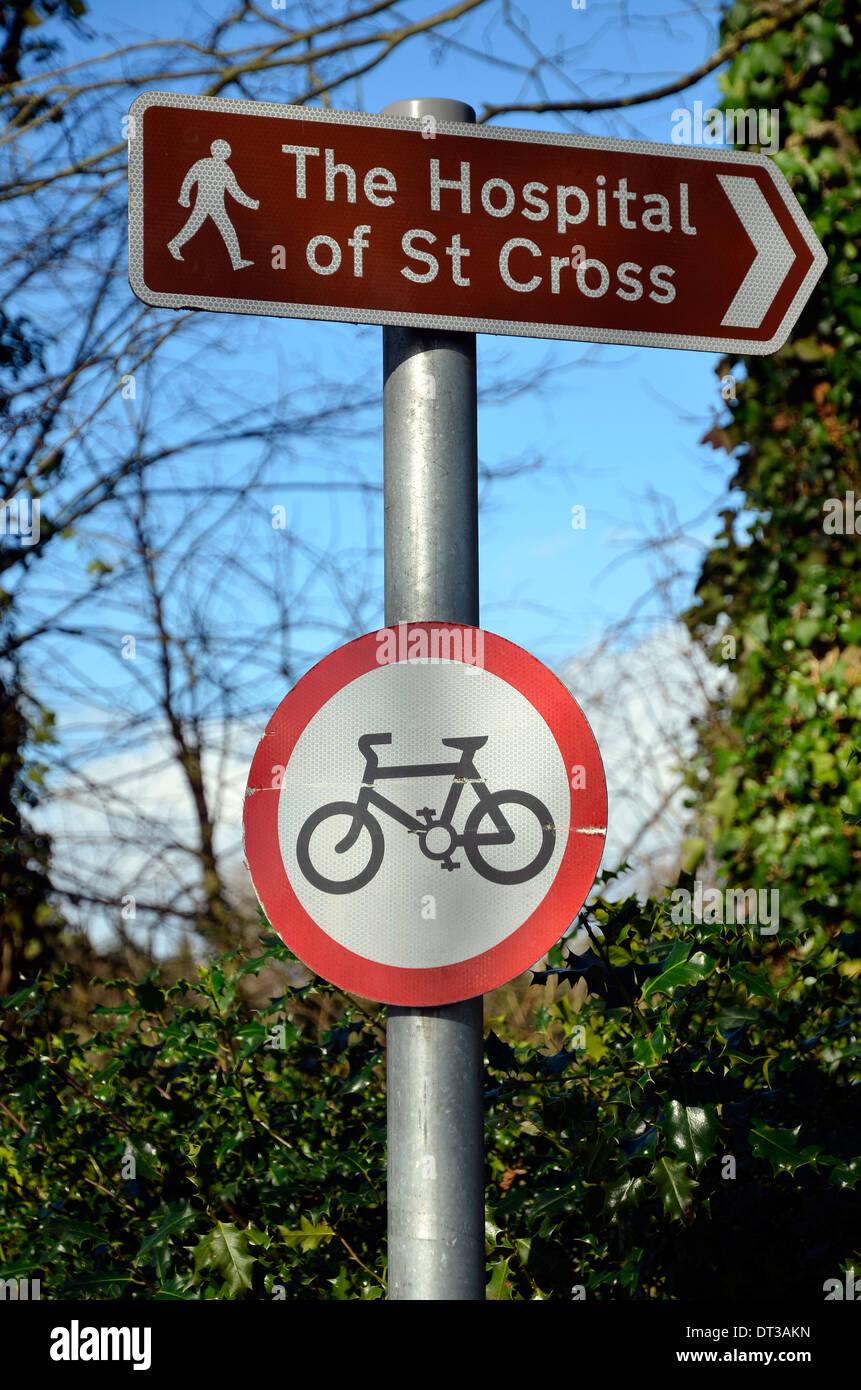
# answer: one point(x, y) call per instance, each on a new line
point(425, 814)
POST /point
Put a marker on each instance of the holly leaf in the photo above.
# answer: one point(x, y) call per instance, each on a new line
point(145, 1158)
point(555, 1065)
point(676, 1187)
point(225, 1250)
point(577, 964)
point(309, 1235)
point(755, 984)
point(499, 1055)
point(69, 1234)
point(148, 994)
point(691, 1129)
point(641, 1145)
point(497, 1288)
point(680, 972)
point(176, 1221)
point(845, 1174)
point(780, 1147)
point(648, 1051)
point(107, 1286)
point(622, 1194)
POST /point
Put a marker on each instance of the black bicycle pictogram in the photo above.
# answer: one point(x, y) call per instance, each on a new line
point(436, 834)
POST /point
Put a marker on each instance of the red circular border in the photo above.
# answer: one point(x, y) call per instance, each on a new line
point(431, 985)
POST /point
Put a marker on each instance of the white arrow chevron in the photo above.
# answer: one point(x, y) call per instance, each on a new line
point(774, 255)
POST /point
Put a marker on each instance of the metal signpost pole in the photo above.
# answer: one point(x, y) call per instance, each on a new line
point(435, 1055)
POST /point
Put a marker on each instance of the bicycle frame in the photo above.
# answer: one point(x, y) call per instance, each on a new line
point(462, 771)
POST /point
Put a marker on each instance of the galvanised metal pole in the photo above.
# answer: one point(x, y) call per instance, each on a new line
point(435, 1061)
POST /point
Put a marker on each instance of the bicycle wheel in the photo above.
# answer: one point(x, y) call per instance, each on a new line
point(474, 849)
point(303, 843)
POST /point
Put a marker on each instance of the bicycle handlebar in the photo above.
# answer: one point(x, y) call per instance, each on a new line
point(366, 741)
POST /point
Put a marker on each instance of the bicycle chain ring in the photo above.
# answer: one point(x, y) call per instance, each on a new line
point(445, 861)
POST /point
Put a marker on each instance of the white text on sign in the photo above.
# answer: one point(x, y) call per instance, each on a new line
point(565, 205)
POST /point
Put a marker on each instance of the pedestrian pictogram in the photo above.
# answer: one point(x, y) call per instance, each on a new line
point(425, 816)
point(214, 179)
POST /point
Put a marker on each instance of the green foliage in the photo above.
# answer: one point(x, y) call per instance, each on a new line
point(190, 1147)
point(701, 1143)
point(257, 1135)
point(776, 786)
point(28, 923)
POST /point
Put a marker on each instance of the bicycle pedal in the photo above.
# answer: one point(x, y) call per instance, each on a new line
point(427, 813)
point(449, 864)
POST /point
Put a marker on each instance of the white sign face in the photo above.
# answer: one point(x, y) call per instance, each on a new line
point(414, 911)
point(422, 828)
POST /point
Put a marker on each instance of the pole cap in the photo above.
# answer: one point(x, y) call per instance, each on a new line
point(444, 108)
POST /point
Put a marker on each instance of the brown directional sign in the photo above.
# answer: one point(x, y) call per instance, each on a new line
point(252, 208)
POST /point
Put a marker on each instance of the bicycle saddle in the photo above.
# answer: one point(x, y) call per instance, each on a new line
point(466, 745)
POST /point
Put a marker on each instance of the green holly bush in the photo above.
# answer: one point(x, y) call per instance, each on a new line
point(674, 1125)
